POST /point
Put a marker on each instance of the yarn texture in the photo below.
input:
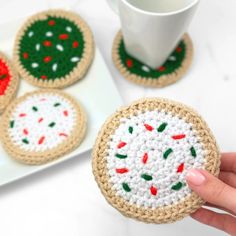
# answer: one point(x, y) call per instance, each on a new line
point(9, 81)
point(54, 49)
point(42, 126)
point(171, 71)
point(142, 155)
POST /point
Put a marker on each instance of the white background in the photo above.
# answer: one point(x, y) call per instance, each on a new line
point(65, 199)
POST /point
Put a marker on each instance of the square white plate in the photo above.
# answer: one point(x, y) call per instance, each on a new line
point(96, 92)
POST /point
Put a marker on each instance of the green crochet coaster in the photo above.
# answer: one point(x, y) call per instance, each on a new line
point(171, 71)
point(54, 49)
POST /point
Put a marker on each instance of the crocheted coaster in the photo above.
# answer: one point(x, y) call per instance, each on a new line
point(54, 49)
point(142, 155)
point(8, 82)
point(42, 126)
point(173, 69)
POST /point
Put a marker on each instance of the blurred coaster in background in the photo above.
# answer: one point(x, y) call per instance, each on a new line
point(54, 49)
point(173, 69)
point(42, 126)
point(9, 81)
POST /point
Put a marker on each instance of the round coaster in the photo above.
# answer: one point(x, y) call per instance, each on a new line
point(173, 69)
point(9, 81)
point(142, 155)
point(42, 126)
point(54, 49)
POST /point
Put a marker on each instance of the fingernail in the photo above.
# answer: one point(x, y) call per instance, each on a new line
point(195, 177)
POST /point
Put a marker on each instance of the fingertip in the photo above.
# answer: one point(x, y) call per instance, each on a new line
point(195, 177)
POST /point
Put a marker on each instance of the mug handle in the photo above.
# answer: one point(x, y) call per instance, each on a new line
point(114, 5)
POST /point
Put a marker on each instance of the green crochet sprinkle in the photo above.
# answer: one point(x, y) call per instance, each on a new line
point(167, 153)
point(126, 187)
point(162, 127)
point(146, 177)
point(12, 123)
point(25, 141)
point(34, 108)
point(131, 129)
point(136, 67)
point(177, 186)
point(3, 76)
point(57, 104)
point(50, 52)
point(121, 156)
point(193, 152)
point(52, 124)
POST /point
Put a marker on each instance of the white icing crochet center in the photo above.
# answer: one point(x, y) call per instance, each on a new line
point(139, 135)
point(42, 122)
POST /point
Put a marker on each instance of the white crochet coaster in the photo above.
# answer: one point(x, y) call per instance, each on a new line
point(142, 155)
point(41, 126)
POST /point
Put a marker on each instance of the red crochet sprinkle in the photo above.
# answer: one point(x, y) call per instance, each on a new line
point(40, 120)
point(63, 135)
point(122, 171)
point(44, 77)
point(47, 59)
point(22, 115)
point(65, 113)
point(47, 43)
point(178, 49)
point(41, 140)
point(25, 55)
point(145, 158)
point(148, 127)
point(63, 36)
point(179, 136)
point(51, 22)
point(121, 145)
point(180, 168)
point(153, 190)
point(129, 63)
point(25, 131)
point(161, 69)
point(75, 44)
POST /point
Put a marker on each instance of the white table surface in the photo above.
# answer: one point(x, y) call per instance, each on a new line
point(65, 200)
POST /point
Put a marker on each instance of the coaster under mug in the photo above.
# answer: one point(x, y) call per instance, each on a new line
point(170, 72)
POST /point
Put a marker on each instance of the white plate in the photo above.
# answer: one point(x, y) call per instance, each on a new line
point(96, 92)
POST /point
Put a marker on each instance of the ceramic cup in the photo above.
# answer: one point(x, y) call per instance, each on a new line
point(153, 28)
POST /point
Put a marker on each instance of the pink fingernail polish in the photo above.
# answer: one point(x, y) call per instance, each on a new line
point(195, 177)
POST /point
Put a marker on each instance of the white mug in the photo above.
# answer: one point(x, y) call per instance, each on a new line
point(153, 28)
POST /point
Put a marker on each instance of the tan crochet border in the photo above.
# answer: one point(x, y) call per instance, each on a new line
point(166, 214)
point(163, 80)
point(78, 72)
point(36, 158)
point(13, 85)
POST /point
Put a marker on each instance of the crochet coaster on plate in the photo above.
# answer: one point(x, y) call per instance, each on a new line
point(8, 82)
point(173, 69)
point(142, 155)
point(54, 49)
point(42, 126)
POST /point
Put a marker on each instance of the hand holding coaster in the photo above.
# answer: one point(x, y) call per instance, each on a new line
point(142, 155)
